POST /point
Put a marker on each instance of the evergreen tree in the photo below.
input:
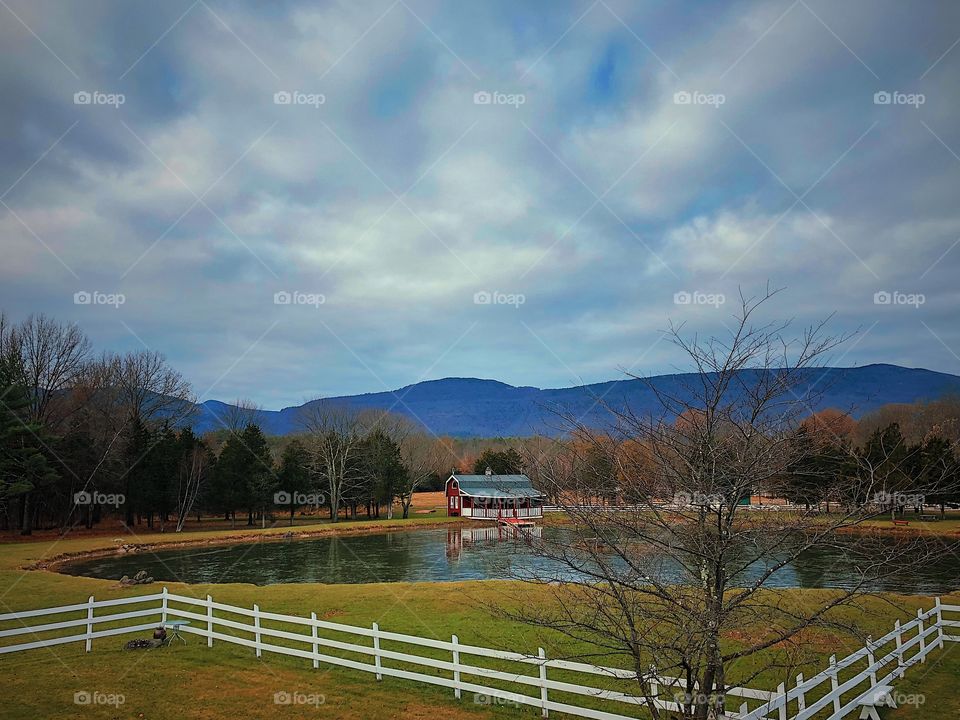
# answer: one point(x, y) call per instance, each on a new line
point(23, 465)
point(228, 489)
point(886, 458)
point(382, 470)
point(135, 471)
point(293, 477)
point(79, 466)
point(940, 469)
point(501, 462)
point(260, 480)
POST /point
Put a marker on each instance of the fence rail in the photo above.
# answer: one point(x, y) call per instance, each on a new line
point(452, 664)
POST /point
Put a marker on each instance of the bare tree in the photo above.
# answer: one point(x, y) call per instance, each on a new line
point(236, 416)
point(191, 477)
point(678, 563)
point(53, 356)
point(148, 388)
point(424, 456)
point(334, 436)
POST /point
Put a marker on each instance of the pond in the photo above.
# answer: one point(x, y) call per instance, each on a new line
point(449, 554)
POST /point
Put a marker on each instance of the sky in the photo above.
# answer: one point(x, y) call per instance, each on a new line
point(302, 199)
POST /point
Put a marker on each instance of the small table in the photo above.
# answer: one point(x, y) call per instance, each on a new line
point(880, 695)
point(175, 626)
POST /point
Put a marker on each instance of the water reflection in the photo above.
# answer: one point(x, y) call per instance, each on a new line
point(454, 553)
point(457, 537)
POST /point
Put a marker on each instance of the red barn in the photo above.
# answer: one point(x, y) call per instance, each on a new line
point(493, 497)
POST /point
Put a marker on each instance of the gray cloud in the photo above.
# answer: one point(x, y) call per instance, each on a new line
point(598, 198)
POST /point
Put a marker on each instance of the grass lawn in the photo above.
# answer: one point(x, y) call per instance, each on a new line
point(949, 526)
point(227, 681)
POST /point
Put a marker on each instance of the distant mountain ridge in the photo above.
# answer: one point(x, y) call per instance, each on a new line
point(471, 407)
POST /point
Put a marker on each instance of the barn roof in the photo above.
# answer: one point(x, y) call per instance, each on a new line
point(509, 486)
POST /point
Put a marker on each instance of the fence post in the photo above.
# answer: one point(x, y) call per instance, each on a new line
point(90, 624)
point(456, 668)
point(782, 692)
point(834, 684)
point(900, 663)
point(163, 606)
point(376, 650)
point(939, 609)
point(654, 684)
point(256, 628)
point(209, 621)
point(870, 661)
point(923, 649)
point(543, 683)
point(801, 700)
point(313, 645)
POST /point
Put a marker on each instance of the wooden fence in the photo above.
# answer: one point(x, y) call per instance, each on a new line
point(523, 679)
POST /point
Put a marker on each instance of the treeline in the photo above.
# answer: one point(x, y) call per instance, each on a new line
point(72, 424)
point(845, 462)
point(830, 461)
point(84, 435)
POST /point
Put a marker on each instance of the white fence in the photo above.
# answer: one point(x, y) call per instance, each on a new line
point(842, 685)
point(502, 513)
point(448, 664)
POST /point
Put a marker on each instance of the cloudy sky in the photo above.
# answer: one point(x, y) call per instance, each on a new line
point(295, 199)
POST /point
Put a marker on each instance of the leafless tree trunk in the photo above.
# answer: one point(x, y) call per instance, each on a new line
point(334, 434)
point(424, 457)
point(192, 475)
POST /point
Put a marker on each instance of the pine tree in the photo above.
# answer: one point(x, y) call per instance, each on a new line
point(381, 470)
point(23, 466)
point(260, 480)
point(501, 462)
point(294, 475)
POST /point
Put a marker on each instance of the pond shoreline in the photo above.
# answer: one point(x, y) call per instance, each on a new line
point(55, 563)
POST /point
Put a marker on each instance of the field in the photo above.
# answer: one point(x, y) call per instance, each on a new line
point(226, 681)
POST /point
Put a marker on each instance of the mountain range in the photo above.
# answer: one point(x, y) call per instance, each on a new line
point(471, 407)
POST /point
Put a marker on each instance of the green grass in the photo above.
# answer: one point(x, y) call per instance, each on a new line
point(227, 681)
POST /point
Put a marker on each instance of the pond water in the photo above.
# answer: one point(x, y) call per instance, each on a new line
point(448, 554)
